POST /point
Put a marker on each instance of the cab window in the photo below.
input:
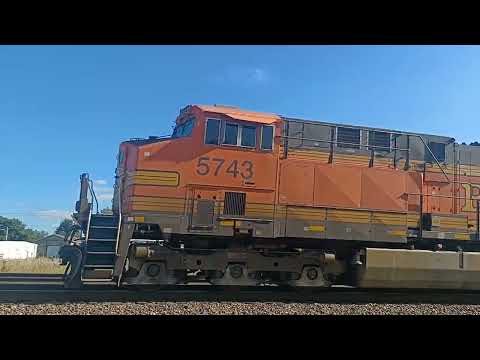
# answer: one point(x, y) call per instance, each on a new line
point(248, 136)
point(231, 134)
point(267, 137)
point(212, 133)
point(184, 129)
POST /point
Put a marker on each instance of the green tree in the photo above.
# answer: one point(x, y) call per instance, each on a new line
point(18, 231)
point(64, 227)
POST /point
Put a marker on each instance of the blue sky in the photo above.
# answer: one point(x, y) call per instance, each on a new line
point(65, 109)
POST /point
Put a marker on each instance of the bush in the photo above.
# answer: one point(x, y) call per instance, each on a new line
point(41, 265)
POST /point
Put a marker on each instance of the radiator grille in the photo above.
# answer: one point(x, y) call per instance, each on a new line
point(234, 203)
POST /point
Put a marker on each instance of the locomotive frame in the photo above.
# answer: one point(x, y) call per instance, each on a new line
point(318, 204)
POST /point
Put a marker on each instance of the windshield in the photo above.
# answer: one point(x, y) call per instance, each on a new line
point(184, 129)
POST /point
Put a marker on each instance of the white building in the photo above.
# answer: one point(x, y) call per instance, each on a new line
point(17, 250)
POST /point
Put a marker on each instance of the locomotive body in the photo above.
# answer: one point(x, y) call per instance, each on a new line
point(236, 197)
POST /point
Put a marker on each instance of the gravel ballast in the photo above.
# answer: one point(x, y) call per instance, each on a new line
point(235, 308)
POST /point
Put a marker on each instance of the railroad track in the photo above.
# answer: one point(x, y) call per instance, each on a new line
point(34, 288)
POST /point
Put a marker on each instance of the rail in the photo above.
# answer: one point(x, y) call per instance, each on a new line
point(92, 193)
point(119, 196)
point(334, 142)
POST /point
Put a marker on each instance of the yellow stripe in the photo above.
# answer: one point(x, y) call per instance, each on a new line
point(402, 233)
point(162, 178)
point(227, 223)
point(462, 236)
point(348, 216)
point(156, 173)
point(314, 228)
point(156, 209)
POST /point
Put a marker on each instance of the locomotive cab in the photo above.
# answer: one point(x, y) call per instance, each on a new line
point(211, 177)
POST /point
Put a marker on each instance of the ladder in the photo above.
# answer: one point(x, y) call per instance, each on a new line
point(100, 248)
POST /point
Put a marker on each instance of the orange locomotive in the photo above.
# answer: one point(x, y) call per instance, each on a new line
point(236, 197)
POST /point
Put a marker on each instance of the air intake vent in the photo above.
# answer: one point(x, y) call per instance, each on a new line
point(348, 138)
point(234, 203)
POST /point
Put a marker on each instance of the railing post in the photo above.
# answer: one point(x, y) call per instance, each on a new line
point(478, 221)
point(395, 152)
point(407, 160)
point(303, 133)
point(420, 227)
point(332, 139)
point(285, 143)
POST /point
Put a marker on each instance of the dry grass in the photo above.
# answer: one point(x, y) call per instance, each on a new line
point(41, 265)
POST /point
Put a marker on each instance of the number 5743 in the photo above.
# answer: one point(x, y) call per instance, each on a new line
point(205, 166)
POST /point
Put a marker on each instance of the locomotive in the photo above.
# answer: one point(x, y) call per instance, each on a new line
point(244, 198)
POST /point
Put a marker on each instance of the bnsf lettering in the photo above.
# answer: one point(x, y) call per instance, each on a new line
point(205, 166)
point(472, 194)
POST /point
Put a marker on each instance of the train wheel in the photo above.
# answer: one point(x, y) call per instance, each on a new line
point(311, 276)
point(235, 274)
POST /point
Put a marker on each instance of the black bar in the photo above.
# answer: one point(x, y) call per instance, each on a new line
point(407, 161)
point(285, 144)
point(395, 152)
point(303, 132)
point(420, 229)
point(332, 139)
point(478, 221)
point(372, 156)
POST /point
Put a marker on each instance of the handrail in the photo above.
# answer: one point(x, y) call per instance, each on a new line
point(338, 142)
point(118, 185)
point(92, 193)
point(119, 215)
point(434, 157)
point(367, 146)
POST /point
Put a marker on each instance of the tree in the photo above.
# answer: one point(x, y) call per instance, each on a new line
point(64, 227)
point(18, 231)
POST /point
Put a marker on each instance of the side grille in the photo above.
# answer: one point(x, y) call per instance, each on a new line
point(234, 203)
point(348, 138)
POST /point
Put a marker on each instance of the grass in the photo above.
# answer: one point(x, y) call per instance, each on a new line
point(42, 265)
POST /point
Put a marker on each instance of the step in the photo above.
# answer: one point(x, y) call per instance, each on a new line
point(97, 274)
point(109, 266)
point(104, 220)
point(101, 246)
point(101, 252)
point(102, 240)
point(102, 233)
point(100, 258)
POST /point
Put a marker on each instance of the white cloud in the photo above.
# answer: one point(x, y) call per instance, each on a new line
point(102, 190)
point(105, 196)
point(100, 182)
point(103, 193)
point(57, 215)
point(259, 75)
point(245, 75)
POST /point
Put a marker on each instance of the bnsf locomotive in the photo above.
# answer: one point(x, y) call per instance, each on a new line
point(237, 197)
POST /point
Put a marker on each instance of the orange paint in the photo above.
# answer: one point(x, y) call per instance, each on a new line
point(207, 171)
